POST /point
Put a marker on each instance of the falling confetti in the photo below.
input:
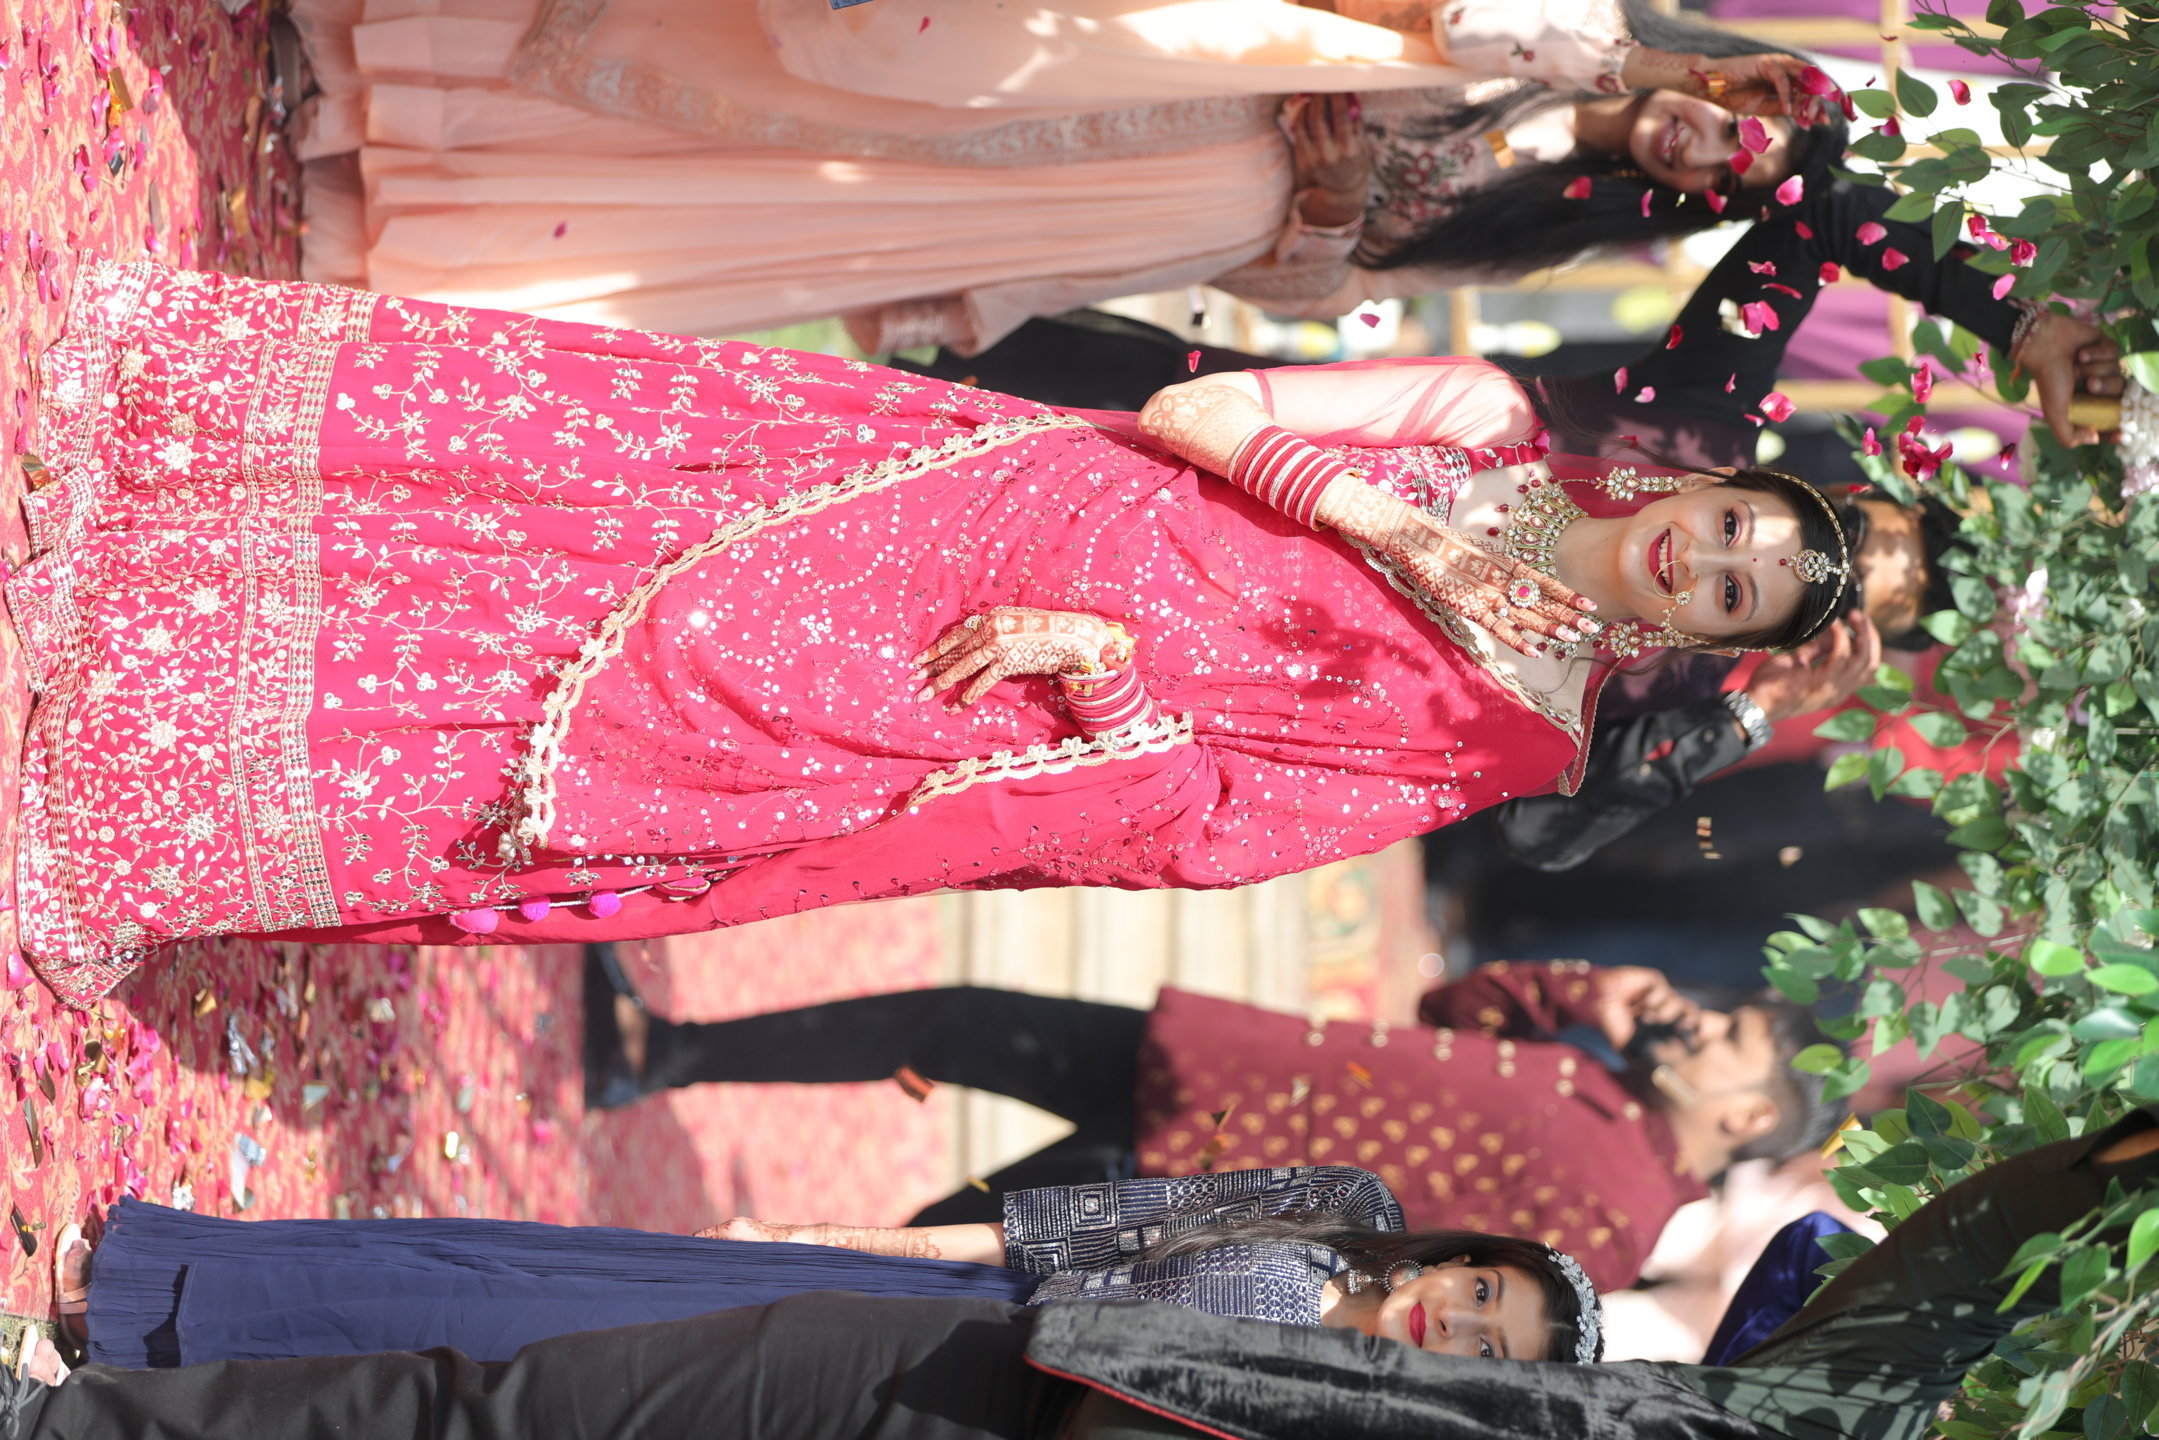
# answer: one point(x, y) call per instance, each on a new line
point(1703, 840)
point(1359, 1074)
point(913, 1084)
point(1789, 856)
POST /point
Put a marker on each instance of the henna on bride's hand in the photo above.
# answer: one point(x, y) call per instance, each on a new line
point(1521, 606)
point(1203, 420)
point(1009, 640)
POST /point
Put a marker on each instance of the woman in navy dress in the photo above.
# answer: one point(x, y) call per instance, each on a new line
point(1303, 1246)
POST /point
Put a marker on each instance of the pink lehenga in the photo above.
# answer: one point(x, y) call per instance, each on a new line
point(356, 614)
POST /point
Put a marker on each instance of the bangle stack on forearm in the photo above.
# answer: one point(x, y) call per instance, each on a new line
point(1286, 471)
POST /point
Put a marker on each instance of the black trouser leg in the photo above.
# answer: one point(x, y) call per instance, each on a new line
point(1073, 1058)
point(821, 1366)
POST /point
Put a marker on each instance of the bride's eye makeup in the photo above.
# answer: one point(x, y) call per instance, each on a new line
point(1731, 526)
point(1731, 596)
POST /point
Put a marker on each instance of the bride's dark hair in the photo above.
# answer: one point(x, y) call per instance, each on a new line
point(1378, 1251)
point(1522, 221)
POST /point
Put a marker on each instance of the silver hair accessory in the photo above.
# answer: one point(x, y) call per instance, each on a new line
point(1356, 1282)
point(1589, 1345)
point(1813, 566)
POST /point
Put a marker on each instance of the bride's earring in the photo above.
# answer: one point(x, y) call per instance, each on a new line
point(1624, 482)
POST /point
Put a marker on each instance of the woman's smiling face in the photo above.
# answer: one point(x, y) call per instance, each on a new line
point(1711, 560)
point(1688, 144)
point(1491, 1312)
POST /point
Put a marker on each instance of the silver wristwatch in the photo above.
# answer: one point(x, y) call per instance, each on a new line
point(1750, 718)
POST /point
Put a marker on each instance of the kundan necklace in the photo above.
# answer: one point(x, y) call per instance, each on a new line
point(1542, 515)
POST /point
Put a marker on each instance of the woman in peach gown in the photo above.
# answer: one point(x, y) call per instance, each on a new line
point(659, 164)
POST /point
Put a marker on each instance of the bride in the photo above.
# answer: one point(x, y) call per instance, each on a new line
point(369, 617)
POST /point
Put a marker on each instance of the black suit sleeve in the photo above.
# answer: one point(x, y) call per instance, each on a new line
point(1637, 767)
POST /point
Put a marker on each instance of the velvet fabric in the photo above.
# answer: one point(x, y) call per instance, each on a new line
point(1777, 1285)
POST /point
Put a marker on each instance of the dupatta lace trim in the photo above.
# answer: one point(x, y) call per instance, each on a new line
point(1151, 737)
point(536, 793)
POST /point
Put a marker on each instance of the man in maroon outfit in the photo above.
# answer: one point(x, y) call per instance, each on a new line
point(1480, 1117)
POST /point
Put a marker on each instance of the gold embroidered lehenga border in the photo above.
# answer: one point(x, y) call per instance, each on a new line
point(554, 62)
point(269, 682)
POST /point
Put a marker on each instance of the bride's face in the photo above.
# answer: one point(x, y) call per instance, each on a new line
point(1712, 561)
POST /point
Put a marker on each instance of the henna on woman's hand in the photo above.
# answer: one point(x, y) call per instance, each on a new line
point(1010, 640)
point(1522, 607)
point(1204, 421)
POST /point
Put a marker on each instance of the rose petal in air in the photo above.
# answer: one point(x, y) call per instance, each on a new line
point(1191, 361)
point(1646, 394)
point(1792, 190)
point(1742, 161)
point(1763, 267)
point(2003, 286)
point(1716, 200)
point(1731, 382)
point(2008, 453)
point(1647, 196)
point(1577, 188)
point(1370, 319)
point(1677, 336)
point(562, 229)
point(1960, 92)
point(1619, 381)
point(1923, 384)
point(1759, 316)
point(1777, 285)
point(1873, 233)
point(1812, 81)
point(1777, 406)
point(1975, 225)
point(1753, 134)
point(923, 26)
point(1806, 231)
point(1894, 259)
point(1830, 274)
point(1890, 126)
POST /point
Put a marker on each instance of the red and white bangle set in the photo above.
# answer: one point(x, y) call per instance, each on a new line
point(1103, 703)
point(1287, 471)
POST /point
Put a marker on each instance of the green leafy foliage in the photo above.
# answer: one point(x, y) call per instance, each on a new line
point(2049, 1024)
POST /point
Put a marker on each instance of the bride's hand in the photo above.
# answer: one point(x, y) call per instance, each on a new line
point(1522, 607)
point(742, 1227)
point(1010, 640)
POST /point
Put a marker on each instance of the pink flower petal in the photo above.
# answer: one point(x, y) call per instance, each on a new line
point(1923, 384)
point(1890, 126)
point(1716, 200)
point(1975, 225)
point(923, 26)
point(1677, 336)
point(1759, 316)
point(1873, 232)
point(1786, 289)
point(1960, 92)
point(1763, 267)
point(1577, 188)
point(2022, 252)
point(1806, 231)
point(1647, 196)
point(1812, 81)
point(2003, 286)
point(1870, 444)
point(562, 229)
point(1370, 320)
point(1191, 361)
point(1792, 190)
point(1619, 381)
point(2008, 453)
point(1731, 382)
point(1777, 406)
point(1742, 162)
point(1646, 394)
point(1894, 259)
point(1753, 134)
point(1830, 274)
